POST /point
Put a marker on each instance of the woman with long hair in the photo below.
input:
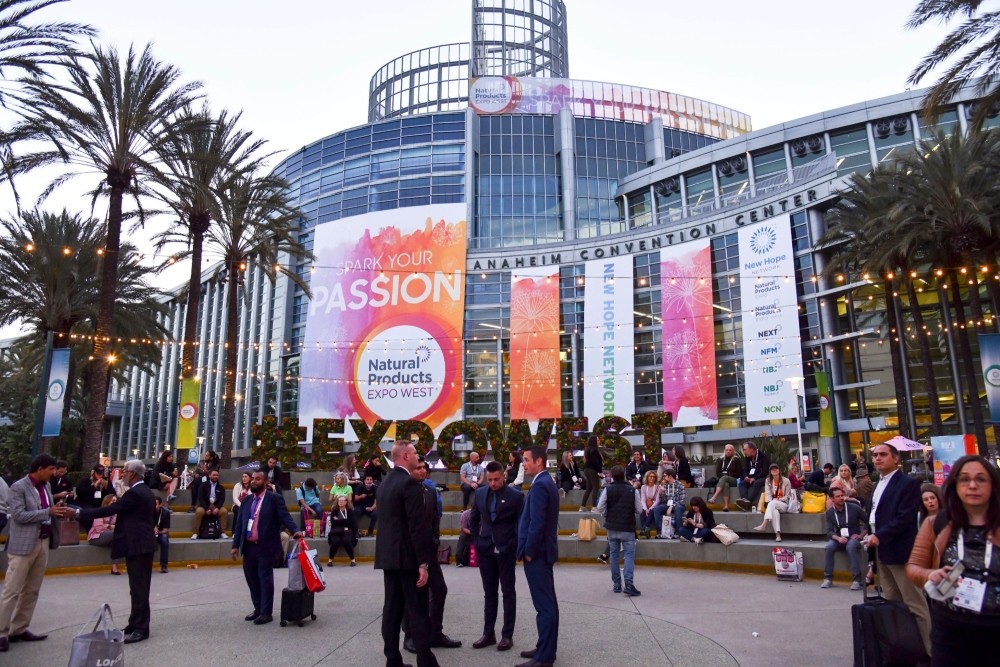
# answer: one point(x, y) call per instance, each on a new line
point(341, 529)
point(164, 475)
point(844, 479)
point(569, 474)
point(102, 532)
point(966, 532)
point(777, 491)
point(514, 473)
point(697, 523)
point(931, 502)
point(683, 467)
point(649, 497)
point(593, 468)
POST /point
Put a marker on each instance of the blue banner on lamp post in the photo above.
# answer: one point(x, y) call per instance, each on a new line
point(55, 393)
point(989, 356)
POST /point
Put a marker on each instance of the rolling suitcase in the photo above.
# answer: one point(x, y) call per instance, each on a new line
point(885, 633)
point(297, 606)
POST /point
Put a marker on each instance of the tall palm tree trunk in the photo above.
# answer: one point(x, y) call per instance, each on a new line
point(189, 354)
point(232, 343)
point(924, 347)
point(902, 395)
point(968, 363)
point(97, 381)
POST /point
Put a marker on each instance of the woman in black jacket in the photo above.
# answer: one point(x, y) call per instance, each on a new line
point(164, 475)
point(593, 468)
point(683, 467)
point(569, 474)
point(341, 530)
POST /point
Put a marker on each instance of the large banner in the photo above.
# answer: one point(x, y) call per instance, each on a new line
point(772, 350)
point(534, 344)
point(187, 414)
point(948, 449)
point(989, 358)
point(384, 334)
point(689, 388)
point(55, 393)
point(608, 339)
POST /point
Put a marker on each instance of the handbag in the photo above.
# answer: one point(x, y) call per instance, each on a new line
point(813, 503)
point(586, 530)
point(725, 534)
point(69, 531)
point(315, 582)
point(443, 555)
point(103, 645)
point(794, 505)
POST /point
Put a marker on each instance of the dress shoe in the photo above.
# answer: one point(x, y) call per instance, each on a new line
point(506, 643)
point(26, 636)
point(4, 644)
point(530, 653)
point(135, 637)
point(261, 620)
point(484, 641)
point(444, 641)
point(252, 616)
point(409, 645)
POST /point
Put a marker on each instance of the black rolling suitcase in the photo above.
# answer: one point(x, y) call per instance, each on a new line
point(297, 607)
point(885, 633)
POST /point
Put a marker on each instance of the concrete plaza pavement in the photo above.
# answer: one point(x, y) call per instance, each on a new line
point(683, 618)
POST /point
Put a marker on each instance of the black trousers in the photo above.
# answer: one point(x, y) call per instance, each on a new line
point(437, 592)
point(497, 571)
point(258, 570)
point(404, 599)
point(341, 539)
point(140, 575)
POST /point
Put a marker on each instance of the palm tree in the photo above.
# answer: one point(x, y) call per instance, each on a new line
point(257, 223)
point(208, 150)
point(26, 49)
point(972, 47)
point(114, 117)
point(52, 263)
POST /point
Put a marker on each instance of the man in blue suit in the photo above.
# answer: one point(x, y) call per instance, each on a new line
point(257, 536)
point(538, 547)
point(893, 519)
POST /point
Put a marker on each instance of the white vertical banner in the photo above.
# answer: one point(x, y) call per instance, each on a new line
point(772, 347)
point(608, 339)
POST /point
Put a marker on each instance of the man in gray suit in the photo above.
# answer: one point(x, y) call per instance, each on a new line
point(31, 509)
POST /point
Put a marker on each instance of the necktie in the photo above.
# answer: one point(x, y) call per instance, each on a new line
point(493, 507)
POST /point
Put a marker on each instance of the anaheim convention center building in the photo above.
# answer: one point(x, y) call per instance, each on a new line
point(501, 241)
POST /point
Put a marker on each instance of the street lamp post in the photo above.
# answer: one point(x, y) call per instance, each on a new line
point(796, 383)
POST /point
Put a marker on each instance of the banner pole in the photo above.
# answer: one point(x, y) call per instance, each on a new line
point(43, 385)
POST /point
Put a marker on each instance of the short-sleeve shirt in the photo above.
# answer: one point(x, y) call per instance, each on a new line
point(473, 473)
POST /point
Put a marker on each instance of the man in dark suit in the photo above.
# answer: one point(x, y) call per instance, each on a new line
point(135, 542)
point(493, 524)
point(257, 536)
point(211, 503)
point(893, 520)
point(538, 547)
point(404, 549)
point(755, 466)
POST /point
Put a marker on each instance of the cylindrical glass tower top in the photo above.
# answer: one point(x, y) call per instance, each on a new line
point(509, 38)
point(519, 38)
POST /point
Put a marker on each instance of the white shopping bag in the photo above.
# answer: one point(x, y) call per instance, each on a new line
point(788, 565)
point(667, 527)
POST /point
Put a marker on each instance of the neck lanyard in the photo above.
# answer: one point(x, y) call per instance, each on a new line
point(725, 468)
point(961, 549)
point(837, 518)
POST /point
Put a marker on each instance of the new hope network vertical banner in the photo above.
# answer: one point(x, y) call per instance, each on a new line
point(772, 349)
point(689, 374)
point(989, 357)
point(608, 339)
point(55, 393)
point(384, 334)
point(535, 391)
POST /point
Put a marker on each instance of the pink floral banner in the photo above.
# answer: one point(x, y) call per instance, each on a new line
point(534, 344)
point(689, 388)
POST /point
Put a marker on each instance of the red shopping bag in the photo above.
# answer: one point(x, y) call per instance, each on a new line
point(314, 579)
point(473, 556)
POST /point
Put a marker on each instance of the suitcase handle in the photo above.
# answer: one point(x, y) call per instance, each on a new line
point(873, 558)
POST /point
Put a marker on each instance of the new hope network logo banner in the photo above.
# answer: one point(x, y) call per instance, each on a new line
point(384, 335)
point(772, 350)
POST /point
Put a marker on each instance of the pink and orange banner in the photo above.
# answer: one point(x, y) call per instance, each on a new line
point(689, 387)
point(384, 334)
point(534, 344)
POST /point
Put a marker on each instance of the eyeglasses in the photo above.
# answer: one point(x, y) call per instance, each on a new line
point(966, 481)
point(879, 454)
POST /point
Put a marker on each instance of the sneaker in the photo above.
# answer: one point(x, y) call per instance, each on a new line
point(195, 536)
point(582, 509)
point(171, 498)
point(459, 565)
point(699, 540)
point(329, 562)
point(743, 504)
point(617, 588)
point(827, 584)
point(602, 558)
point(353, 564)
point(631, 591)
point(855, 585)
point(682, 538)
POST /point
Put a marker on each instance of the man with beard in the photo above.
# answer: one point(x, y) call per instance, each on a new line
point(257, 536)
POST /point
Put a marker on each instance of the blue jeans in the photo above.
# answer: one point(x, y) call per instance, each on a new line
point(853, 549)
point(164, 542)
point(621, 540)
point(660, 510)
point(689, 533)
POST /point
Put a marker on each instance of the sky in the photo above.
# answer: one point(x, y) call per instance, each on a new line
point(299, 70)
